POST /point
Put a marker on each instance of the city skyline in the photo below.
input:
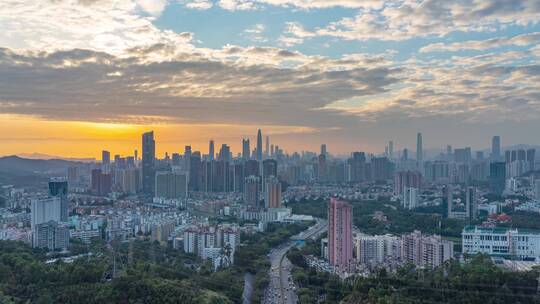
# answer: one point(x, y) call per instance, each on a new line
point(269, 151)
point(349, 74)
point(168, 147)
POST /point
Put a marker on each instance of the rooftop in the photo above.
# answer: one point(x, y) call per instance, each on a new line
point(499, 230)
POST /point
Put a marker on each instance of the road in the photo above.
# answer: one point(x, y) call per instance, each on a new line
point(281, 289)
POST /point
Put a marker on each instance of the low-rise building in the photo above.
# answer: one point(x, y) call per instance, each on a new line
point(512, 243)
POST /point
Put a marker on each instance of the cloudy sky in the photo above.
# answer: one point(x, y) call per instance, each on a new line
point(78, 76)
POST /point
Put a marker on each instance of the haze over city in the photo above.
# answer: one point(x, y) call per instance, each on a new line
point(269, 151)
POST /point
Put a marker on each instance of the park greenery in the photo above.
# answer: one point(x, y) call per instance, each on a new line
point(475, 281)
point(399, 220)
point(478, 280)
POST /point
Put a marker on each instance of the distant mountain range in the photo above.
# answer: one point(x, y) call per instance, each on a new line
point(22, 166)
point(48, 156)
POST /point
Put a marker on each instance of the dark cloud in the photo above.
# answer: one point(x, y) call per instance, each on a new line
point(95, 86)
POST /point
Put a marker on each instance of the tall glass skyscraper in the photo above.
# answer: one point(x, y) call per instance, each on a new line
point(419, 148)
point(259, 145)
point(148, 158)
point(496, 148)
point(211, 152)
point(497, 177)
point(59, 188)
point(246, 152)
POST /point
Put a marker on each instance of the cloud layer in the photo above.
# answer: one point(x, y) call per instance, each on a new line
point(103, 61)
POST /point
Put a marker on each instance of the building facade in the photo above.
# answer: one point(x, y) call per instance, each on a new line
point(340, 233)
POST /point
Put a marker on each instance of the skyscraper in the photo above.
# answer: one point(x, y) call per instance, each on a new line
point(259, 145)
point(105, 157)
point(224, 153)
point(272, 194)
point(407, 179)
point(448, 200)
point(323, 149)
point(211, 152)
point(419, 148)
point(101, 182)
point(531, 159)
point(391, 149)
point(44, 210)
point(171, 185)
point(267, 147)
point(252, 191)
point(471, 203)
point(245, 149)
point(497, 177)
point(340, 243)
point(148, 159)
point(496, 148)
point(59, 188)
point(269, 169)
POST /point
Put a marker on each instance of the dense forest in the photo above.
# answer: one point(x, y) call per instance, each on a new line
point(134, 272)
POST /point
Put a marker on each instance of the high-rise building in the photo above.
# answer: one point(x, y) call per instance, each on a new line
point(59, 188)
point(357, 165)
point(471, 203)
point(171, 185)
point(101, 182)
point(496, 148)
point(448, 200)
point(211, 152)
point(374, 250)
point(131, 181)
point(426, 251)
point(419, 148)
point(267, 147)
point(405, 155)
point(195, 172)
point(245, 149)
point(497, 177)
point(224, 153)
point(72, 175)
point(272, 195)
point(437, 171)
point(252, 167)
point(463, 155)
point(531, 159)
point(45, 209)
point(322, 168)
point(537, 189)
point(259, 145)
point(148, 160)
point(340, 243)
point(323, 150)
point(51, 235)
point(269, 167)
point(176, 159)
point(381, 168)
point(105, 157)
point(391, 149)
point(410, 198)
point(404, 179)
point(252, 191)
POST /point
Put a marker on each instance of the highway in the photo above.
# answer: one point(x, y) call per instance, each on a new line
point(281, 289)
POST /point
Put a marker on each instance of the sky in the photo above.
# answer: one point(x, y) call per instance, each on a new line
point(80, 76)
